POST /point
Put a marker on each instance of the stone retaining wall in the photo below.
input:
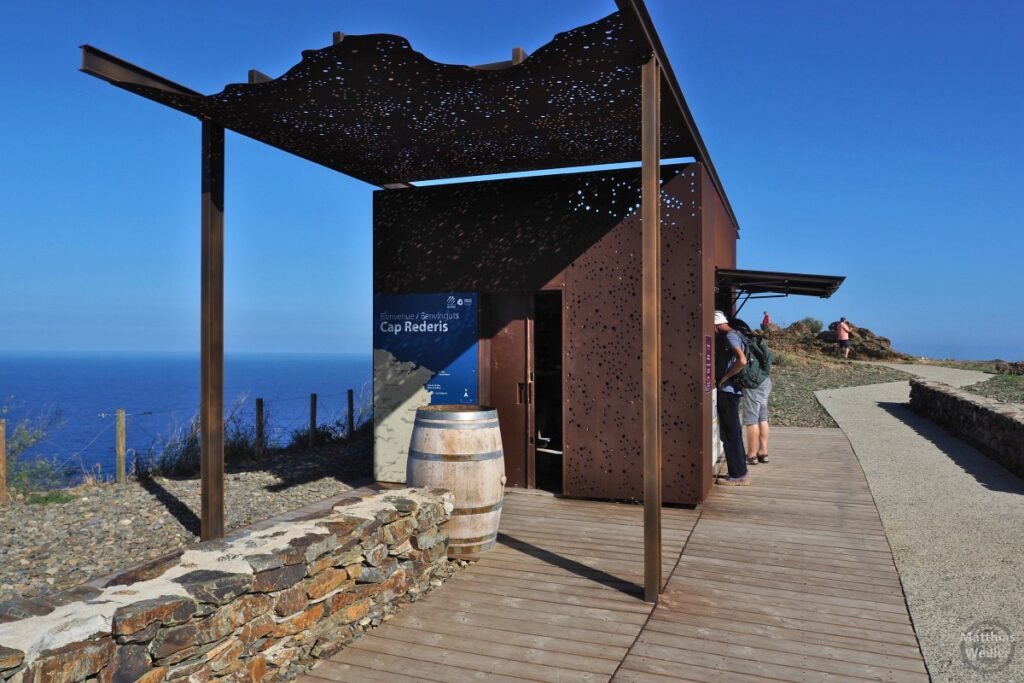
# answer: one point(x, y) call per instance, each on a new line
point(994, 427)
point(258, 605)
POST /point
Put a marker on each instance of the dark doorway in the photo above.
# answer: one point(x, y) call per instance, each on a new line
point(547, 404)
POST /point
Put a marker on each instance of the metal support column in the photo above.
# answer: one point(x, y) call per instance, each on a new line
point(651, 288)
point(211, 352)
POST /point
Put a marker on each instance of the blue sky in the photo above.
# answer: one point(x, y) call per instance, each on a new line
point(881, 141)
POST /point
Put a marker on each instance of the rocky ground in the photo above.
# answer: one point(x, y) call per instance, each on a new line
point(806, 362)
point(803, 340)
point(47, 548)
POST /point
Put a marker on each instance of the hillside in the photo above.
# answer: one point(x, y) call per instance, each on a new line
point(806, 337)
point(806, 362)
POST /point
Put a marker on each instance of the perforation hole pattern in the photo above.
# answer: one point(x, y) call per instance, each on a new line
point(374, 108)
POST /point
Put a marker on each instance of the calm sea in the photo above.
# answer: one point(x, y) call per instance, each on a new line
point(160, 394)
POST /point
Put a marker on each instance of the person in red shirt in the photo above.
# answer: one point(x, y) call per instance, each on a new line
point(843, 337)
point(766, 322)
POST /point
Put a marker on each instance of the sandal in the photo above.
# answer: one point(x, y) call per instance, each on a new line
point(762, 458)
point(752, 461)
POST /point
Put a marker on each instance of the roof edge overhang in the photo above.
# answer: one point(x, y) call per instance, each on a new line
point(766, 283)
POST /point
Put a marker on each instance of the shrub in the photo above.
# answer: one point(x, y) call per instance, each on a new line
point(814, 324)
point(179, 454)
point(59, 497)
point(25, 475)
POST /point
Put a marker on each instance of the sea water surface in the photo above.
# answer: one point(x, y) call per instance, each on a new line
point(160, 394)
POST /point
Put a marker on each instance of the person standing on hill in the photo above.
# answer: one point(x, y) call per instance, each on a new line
point(766, 323)
point(730, 357)
point(843, 339)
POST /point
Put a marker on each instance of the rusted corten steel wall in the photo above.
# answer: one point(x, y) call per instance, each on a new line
point(719, 234)
point(579, 233)
point(724, 235)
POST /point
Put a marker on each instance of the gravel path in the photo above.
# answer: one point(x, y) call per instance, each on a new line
point(48, 548)
point(954, 520)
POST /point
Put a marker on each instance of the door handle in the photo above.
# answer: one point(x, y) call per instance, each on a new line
point(521, 393)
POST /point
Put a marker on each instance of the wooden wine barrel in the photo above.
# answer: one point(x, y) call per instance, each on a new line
point(458, 447)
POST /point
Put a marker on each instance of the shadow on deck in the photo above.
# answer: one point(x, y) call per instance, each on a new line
point(790, 579)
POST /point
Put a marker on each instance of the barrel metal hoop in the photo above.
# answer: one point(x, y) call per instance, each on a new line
point(455, 457)
point(458, 416)
point(438, 424)
point(471, 550)
point(475, 540)
point(483, 509)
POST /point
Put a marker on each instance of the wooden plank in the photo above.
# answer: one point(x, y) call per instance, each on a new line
point(327, 670)
point(644, 677)
point(772, 553)
point(517, 632)
point(610, 614)
point(473, 604)
point(469, 660)
point(425, 670)
point(794, 642)
point(858, 609)
point(773, 561)
point(731, 662)
point(530, 565)
point(472, 643)
point(866, 640)
point(791, 613)
point(736, 649)
point(572, 595)
point(868, 584)
point(516, 623)
point(119, 447)
point(636, 664)
point(812, 589)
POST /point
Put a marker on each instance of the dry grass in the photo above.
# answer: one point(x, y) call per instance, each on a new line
point(1005, 388)
point(797, 377)
point(979, 365)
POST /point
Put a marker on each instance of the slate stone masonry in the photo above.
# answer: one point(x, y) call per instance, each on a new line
point(257, 606)
point(994, 427)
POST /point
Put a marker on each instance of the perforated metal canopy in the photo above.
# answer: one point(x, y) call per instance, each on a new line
point(374, 108)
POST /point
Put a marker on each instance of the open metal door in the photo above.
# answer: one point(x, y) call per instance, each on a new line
point(508, 325)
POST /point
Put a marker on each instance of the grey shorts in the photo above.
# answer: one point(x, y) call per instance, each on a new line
point(754, 404)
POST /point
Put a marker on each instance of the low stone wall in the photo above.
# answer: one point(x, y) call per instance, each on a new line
point(258, 605)
point(994, 427)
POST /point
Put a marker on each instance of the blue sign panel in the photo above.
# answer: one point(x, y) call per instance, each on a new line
point(436, 332)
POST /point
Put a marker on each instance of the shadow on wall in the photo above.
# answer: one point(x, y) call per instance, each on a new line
point(986, 471)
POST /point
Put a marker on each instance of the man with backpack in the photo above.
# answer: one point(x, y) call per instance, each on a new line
point(730, 359)
point(757, 386)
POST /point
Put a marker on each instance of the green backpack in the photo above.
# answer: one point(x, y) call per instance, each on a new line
point(759, 363)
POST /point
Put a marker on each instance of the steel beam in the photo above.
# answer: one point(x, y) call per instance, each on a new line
point(117, 71)
point(211, 351)
point(650, 250)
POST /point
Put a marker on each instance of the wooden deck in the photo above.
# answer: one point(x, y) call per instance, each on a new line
point(790, 579)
